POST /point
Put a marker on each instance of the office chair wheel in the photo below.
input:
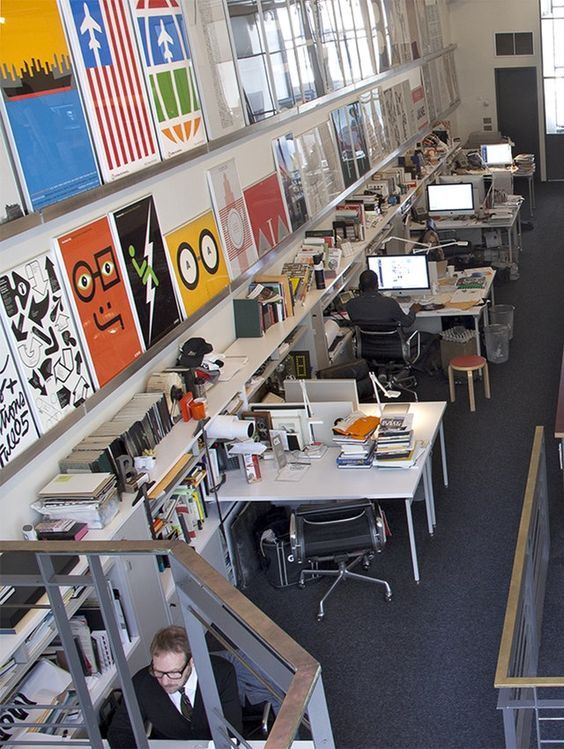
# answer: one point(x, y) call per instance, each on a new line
point(388, 597)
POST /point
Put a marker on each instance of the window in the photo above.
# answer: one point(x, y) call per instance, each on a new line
point(552, 34)
point(520, 43)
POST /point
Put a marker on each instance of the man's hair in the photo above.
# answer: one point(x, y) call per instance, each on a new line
point(368, 281)
point(170, 640)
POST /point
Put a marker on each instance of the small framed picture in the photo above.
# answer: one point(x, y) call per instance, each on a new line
point(263, 424)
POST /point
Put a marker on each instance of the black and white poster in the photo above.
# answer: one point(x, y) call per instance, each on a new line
point(44, 339)
point(17, 426)
point(144, 262)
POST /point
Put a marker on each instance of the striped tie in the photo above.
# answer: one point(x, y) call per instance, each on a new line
point(185, 705)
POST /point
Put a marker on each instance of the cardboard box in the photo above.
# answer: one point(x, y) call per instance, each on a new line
point(450, 349)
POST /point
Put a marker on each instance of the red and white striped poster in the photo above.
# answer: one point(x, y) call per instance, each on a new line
point(113, 89)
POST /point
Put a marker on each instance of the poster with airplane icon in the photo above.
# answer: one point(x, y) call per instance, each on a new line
point(97, 290)
point(143, 258)
point(44, 338)
point(167, 64)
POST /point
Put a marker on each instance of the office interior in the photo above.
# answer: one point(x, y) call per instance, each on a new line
point(488, 447)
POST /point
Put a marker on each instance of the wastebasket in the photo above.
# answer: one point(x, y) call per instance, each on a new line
point(502, 314)
point(497, 343)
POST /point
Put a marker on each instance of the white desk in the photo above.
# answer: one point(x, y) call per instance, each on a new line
point(324, 481)
point(430, 320)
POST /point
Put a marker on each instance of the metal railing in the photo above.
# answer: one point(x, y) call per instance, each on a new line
point(208, 603)
point(525, 698)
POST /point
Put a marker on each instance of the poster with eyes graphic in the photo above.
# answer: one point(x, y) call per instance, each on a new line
point(197, 259)
point(97, 290)
point(44, 339)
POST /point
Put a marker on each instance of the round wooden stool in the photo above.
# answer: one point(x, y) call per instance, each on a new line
point(468, 364)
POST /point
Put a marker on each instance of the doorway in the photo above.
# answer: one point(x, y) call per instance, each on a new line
point(517, 109)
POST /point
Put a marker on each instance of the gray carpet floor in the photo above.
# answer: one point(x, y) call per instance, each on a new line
point(419, 671)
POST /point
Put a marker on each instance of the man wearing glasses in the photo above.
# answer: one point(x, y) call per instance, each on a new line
point(169, 696)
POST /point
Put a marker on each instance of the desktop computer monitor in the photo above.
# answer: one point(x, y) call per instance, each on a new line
point(401, 274)
point(451, 200)
point(478, 185)
point(497, 154)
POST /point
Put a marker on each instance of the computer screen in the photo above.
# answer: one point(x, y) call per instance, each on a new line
point(402, 274)
point(477, 181)
point(451, 200)
point(496, 154)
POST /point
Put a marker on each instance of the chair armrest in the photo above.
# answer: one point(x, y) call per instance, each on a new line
point(417, 336)
point(293, 533)
point(264, 727)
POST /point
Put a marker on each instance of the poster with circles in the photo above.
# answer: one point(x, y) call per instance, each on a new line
point(197, 259)
point(232, 218)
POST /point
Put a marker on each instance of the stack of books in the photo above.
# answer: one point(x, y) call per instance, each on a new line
point(525, 163)
point(394, 442)
point(301, 276)
point(84, 497)
point(355, 437)
point(60, 530)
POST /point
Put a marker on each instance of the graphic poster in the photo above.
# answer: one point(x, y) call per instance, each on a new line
point(170, 75)
point(44, 339)
point(144, 259)
point(351, 142)
point(41, 105)
point(287, 166)
point(232, 217)
point(373, 123)
point(96, 286)
point(391, 118)
point(267, 213)
point(105, 53)
point(198, 262)
point(17, 426)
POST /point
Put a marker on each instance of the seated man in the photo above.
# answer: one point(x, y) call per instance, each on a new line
point(169, 695)
point(373, 307)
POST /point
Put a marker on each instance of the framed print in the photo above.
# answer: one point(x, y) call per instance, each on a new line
point(197, 259)
point(41, 105)
point(105, 54)
point(97, 289)
point(287, 166)
point(44, 339)
point(232, 217)
point(263, 423)
point(167, 64)
point(267, 213)
point(144, 261)
point(17, 425)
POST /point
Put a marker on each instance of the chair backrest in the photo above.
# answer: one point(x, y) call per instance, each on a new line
point(321, 532)
point(382, 343)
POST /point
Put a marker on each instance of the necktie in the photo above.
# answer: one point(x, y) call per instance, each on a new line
point(185, 705)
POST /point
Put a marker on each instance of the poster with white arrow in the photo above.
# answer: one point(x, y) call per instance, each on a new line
point(105, 54)
point(43, 337)
point(169, 73)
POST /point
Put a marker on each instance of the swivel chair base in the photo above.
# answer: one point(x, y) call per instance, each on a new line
point(342, 573)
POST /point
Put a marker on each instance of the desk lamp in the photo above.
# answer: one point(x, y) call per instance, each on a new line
point(377, 385)
point(453, 243)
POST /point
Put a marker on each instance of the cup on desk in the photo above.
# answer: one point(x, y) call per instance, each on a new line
point(450, 271)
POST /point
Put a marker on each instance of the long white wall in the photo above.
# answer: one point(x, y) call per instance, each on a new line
point(473, 24)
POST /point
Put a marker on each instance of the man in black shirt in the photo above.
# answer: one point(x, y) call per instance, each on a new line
point(373, 307)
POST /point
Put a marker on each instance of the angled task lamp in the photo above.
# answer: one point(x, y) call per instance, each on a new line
point(425, 246)
point(377, 385)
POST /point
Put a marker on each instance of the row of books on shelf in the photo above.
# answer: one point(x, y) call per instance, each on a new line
point(183, 512)
point(138, 427)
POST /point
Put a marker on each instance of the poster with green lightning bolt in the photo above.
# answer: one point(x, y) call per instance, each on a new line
point(144, 261)
point(168, 69)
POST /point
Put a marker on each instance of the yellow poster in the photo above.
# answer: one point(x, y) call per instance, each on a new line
point(197, 259)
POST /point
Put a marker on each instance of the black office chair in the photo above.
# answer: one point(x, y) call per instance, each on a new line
point(391, 353)
point(337, 532)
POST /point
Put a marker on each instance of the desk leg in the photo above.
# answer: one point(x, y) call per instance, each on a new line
point(510, 243)
point(443, 454)
point(412, 539)
point(477, 329)
point(429, 495)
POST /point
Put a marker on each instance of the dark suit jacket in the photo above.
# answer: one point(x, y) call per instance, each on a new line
point(168, 722)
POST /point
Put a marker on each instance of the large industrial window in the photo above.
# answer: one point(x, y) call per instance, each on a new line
point(552, 33)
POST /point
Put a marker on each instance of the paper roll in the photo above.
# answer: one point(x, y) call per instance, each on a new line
point(331, 331)
point(230, 428)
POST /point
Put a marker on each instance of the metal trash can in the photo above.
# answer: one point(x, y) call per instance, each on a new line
point(502, 314)
point(497, 343)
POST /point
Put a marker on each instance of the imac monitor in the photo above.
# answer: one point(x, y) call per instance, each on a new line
point(477, 181)
point(497, 154)
point(401, 274)
point(451, 200)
